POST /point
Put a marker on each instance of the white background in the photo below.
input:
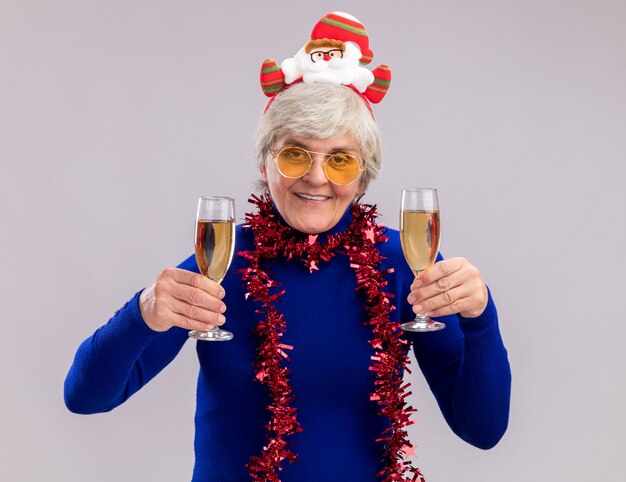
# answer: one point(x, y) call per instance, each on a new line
point(115, 116)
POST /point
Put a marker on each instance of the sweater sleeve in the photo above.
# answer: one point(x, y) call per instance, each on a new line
point(467, 369)
point(118, 359)
point(465, 365)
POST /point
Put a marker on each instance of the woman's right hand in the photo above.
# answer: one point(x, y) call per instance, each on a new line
point(182, 298)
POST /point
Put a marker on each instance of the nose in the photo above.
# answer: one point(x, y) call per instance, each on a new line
point(316, 175)
point(327, 57)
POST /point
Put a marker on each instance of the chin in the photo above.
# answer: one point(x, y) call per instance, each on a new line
point(312, 226)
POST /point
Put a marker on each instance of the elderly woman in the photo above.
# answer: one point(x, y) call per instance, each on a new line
point(314, 371)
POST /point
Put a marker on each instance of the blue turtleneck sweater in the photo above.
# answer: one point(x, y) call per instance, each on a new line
point(465, 366)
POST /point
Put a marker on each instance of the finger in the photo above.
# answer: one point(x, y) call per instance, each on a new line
point(196, 313)
point(189, 324)
point(440, 269)
point(196, 280)
point(197, 297)
point(442, 285)
point(447, 298)
point(456, 307)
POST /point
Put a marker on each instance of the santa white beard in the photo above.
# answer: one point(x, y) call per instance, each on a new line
point(339, 71)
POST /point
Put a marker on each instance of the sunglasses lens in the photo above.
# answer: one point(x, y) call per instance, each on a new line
point(293, 162)
point(342, 169)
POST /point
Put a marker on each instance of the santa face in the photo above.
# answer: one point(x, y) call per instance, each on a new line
point(326, 62)
point(324, 54)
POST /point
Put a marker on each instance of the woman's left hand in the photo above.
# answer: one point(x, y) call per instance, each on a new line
point(448, 287)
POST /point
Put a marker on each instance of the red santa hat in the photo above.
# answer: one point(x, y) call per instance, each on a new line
point(344, 27)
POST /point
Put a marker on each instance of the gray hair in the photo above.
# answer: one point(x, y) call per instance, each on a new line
point(320, 111)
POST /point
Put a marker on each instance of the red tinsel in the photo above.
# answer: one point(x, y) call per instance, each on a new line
point(272, 238)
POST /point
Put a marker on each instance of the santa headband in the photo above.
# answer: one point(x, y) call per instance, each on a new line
point(335, 54)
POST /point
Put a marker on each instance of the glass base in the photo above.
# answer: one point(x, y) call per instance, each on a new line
point(423, 325)
point(212, 335)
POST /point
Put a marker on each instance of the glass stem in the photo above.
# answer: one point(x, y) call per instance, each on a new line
point(419, 316)
point(219, 282)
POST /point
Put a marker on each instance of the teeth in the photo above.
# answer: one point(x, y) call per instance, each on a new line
point(312, 198)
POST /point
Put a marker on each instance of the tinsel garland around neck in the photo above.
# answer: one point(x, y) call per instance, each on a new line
point(272, 239)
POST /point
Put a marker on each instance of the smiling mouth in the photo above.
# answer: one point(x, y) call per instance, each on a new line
point(311, 197)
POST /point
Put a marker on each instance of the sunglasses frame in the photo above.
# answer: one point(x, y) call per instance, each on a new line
point(326, 52)
point(276, 154)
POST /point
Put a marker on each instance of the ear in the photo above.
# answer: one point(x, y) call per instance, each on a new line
point(264, 170)
point(361, 190)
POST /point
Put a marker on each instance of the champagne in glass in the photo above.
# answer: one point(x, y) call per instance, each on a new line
point(420, 233)
point(215, 244)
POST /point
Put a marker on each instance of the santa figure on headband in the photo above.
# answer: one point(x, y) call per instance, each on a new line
point(328, 61)
point(335, 54)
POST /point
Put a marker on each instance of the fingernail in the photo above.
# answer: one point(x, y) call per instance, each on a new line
point(411, 299)
point(221, 319)
point(222, 294)
point(222, 308)
point(417, 283)
point(418, 309)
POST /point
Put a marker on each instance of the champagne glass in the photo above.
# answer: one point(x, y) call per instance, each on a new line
point(420, 234)
point(215, 244)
